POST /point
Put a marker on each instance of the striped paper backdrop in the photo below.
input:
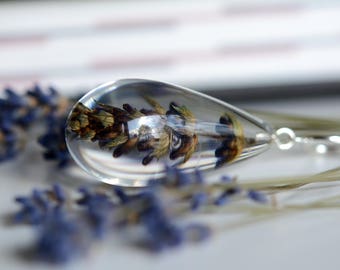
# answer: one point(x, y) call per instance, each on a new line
point(201, 44)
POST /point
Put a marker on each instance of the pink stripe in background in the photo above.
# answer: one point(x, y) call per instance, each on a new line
point(144, 22)
point(23, 40)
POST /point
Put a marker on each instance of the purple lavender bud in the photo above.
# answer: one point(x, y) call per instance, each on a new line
point(121, 195)
point(59, 193)
point(60, 238)
point(257, 196)
point(199, 179)
point(226, 179)
point(198, 199)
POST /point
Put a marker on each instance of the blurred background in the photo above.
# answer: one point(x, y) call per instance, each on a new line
point(236, 49)
point(258, 54)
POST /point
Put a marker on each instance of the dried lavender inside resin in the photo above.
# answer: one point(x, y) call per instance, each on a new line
point(124, 132)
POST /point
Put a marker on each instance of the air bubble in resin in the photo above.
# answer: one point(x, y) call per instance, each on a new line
point(124, 132)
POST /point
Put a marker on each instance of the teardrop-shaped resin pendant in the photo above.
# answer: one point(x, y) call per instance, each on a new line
point(125, 131)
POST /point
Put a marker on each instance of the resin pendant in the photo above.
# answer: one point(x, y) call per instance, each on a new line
point(124, 132)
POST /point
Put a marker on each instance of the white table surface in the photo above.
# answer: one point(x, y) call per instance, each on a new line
point(304, 240)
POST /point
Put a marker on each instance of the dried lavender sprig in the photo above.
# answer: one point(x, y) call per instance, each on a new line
point(159, 220)
point(45, 209)
point(36, 207)
point(20, 112)
point(160, 228)
point(60, 237)
point(193, 189)
point(99, 210)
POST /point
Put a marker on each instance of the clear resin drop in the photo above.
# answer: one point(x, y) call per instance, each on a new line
point(124, 132)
